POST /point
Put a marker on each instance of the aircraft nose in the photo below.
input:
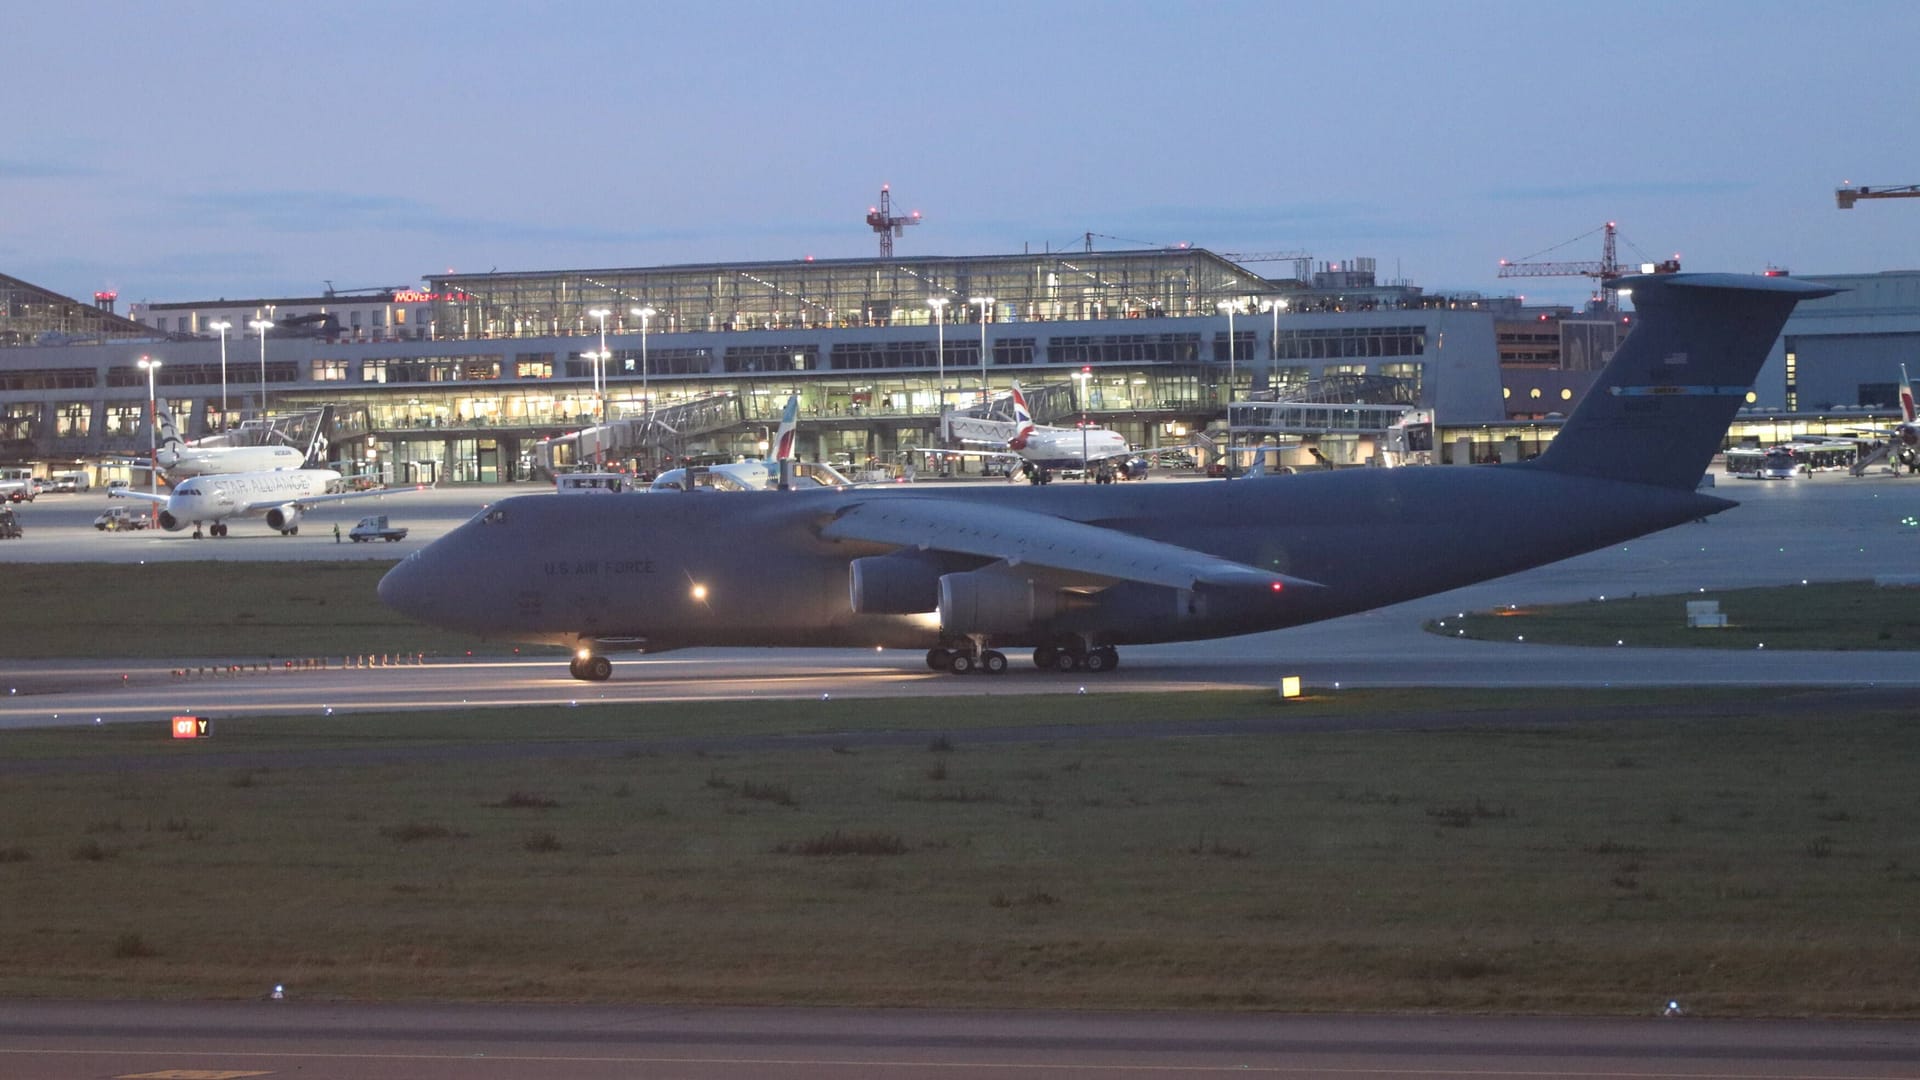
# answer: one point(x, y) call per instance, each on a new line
point(407, 590)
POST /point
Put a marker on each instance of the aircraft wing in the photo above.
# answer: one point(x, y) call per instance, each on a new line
point(129, 493)
point(1024, 538)
point(309, 501)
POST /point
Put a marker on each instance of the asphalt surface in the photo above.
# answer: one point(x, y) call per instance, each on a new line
point(1822, 528)
point(56, 1039)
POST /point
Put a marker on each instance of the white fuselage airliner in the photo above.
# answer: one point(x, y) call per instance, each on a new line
point(181, 460)
point(280, 496)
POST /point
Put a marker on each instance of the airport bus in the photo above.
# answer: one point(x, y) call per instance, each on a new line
point(1755, 463)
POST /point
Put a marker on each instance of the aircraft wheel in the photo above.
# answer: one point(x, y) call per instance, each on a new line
point(196, 533)
point(1105, 658)
point(1065, 661)
point(598, 669)
point(962, 664)
point(1044, 655)
point(993, 662)
point(295, 531)
point(573, 668)
point(222, 530)
point(939, 659)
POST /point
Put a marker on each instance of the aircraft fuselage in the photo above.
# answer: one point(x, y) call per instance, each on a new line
point(716, 568)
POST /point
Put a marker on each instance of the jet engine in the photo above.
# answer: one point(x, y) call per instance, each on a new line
point(284, 518)
point(171, 523)
point(994, 602)
point(893, 585)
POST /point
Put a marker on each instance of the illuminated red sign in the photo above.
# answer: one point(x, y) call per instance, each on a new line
point(191, 727)
point(415, 296)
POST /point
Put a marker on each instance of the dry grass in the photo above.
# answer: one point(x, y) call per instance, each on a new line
point(1747, 865)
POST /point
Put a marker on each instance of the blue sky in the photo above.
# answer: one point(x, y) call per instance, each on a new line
point(189, 151)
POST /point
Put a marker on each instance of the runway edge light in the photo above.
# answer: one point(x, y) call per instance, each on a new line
point(191, 727)
point(1289, 687)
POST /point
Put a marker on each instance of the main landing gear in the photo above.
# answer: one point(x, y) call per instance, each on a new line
point(1076, 657)
point(968, 656)
point(218, 528)
point(591, 668)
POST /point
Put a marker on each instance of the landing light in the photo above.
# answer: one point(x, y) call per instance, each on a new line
point(584, 653)
point(700, 592)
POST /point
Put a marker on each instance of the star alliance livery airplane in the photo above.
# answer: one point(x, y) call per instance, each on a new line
point(967, 572)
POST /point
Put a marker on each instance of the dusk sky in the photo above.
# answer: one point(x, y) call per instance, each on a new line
point(189, 151)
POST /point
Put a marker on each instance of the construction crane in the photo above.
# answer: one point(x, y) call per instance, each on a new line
point(1605, 271)
point(1847, 196)
point(881, 218)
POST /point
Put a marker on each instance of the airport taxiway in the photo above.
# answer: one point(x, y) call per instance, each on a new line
point(1825, 528)
point(444, 1042)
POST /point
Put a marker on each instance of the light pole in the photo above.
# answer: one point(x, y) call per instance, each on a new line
point(1086, 467)
point(939, 306)
point(986, 307)
point(600, 358)
point(1273, 343)
point(151, 366)
point(645, 314)
point(223, 326)
point(1228, 306)
point(262, 325)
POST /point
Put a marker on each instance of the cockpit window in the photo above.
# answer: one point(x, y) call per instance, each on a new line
point(494, 516)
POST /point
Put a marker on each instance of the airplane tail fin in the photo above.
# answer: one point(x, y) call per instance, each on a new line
point(1022, 419)
point(783, 440)
point(1658, 411)
point(167, 442)
point(1906, 396)
point(320, 447)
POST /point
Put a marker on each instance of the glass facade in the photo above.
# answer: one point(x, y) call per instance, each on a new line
point(811, 294)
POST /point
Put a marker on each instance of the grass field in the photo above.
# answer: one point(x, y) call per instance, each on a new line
point(235, 609)
point(1844, 615)
point(1742, 860)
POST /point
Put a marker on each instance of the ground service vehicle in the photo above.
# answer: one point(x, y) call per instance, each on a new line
point(375, 528)
point(9, 524)
point(117, 518)
point(16, 485)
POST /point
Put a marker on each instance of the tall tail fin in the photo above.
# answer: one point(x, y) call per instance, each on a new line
point(1906, 396)
point(1658, 411)
point(1022, 420)
point(783, 439)
point(320, 447)
point(168, 444)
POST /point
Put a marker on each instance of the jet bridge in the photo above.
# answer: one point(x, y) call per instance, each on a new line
point(654, 435)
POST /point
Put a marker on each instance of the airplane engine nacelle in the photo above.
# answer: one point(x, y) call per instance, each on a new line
point(171, 523)
point(893, 585)
point(283, 518)
point(993, 602)
point(1910, 434)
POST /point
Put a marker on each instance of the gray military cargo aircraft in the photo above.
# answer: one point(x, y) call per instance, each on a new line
point(1074, 573)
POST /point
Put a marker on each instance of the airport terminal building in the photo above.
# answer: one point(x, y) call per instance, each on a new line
point(467, 378)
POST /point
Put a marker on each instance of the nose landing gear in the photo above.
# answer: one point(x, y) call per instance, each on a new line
point(591, 668)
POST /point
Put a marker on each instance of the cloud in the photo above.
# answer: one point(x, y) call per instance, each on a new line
point(1625, 189)
point(312, 212)
point(22, 169)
